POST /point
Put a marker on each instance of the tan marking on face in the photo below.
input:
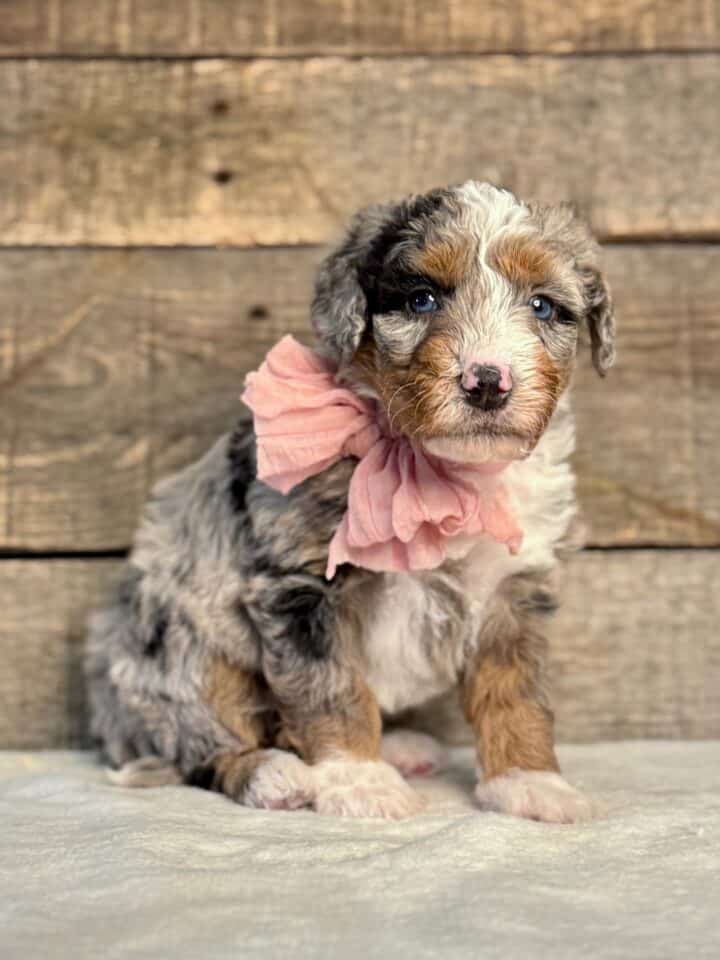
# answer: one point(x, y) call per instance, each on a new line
point(413, 396)
point(548, 379)
point(435, 373)
point(534, 403)
point(522, 261)
point(237, 701)
point(365, 365)
point(352, 729)
point(446, 261)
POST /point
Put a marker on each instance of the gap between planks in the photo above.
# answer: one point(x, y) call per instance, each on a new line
point(708, 239)
point(123, 553)
point(339, 54)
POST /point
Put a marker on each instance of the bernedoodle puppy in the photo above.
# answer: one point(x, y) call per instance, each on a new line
point(383, 533)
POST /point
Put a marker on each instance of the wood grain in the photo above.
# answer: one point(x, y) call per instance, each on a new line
point(42, 696)
point(282, 151)
point(635, 649)
point(118, 367)
point(250, 27)
point(648, 436)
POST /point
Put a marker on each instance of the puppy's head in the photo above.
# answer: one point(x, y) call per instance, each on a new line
point(459, 312)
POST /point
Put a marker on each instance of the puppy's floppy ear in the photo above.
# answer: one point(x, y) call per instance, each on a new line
point(560, 225)
point(339, 308)
point(600, 318)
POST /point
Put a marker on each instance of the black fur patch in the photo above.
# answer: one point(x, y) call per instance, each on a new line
point(395, 287)
point(157, 628)
point(202, 776)
point(308, 614)
point(241, 459)
point(383, 290)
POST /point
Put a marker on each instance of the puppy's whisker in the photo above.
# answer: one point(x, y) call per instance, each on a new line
point(424, 395)
point(398, 413)
point(393, 415)
point(399, 390)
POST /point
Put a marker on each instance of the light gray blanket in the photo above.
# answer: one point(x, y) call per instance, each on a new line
point(88, 870)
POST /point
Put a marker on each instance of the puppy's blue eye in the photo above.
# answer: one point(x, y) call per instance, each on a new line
point(423, 301)
point(542, 307)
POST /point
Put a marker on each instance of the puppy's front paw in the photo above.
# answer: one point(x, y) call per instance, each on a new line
point(413, 754)
point(536, 795)
point(280, 782)
point(351, 788)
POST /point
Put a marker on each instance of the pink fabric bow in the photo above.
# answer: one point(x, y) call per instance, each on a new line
point(403, 504)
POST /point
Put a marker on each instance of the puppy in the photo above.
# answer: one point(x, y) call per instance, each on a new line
point(230, 658)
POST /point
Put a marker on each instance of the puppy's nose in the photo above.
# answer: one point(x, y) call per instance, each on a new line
point(487, 385)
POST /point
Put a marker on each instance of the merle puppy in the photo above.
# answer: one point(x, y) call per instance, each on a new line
point(226, 657)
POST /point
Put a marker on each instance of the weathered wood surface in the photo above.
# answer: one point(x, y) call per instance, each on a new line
point(42, 630)
point(635, 649)
point(250, 27)
point(648, 436)
point(636, 652)
point(118, 367)
point(281, 151)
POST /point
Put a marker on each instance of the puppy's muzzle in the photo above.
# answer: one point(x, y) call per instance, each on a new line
point(486, 386)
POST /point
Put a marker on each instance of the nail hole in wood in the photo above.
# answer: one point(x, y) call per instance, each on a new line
point(258, 312)
point(223, 176)
point(220, 108)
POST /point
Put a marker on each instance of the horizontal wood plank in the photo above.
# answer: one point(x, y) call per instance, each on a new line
point(635, 648)
point(252, 27)
point(117, 367)
point(648, 450)
point(42, 633)
point(282, 151)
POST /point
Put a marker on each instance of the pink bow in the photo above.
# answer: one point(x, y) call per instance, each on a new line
point(403, 504)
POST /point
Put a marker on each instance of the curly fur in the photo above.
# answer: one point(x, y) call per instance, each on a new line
point(223, 644)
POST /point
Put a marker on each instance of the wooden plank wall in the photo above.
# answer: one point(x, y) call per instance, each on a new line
point(169, 175)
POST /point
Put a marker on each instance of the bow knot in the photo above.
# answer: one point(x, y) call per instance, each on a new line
point(403, 503)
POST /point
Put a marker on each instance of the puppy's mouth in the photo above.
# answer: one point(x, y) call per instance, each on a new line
point(480, 436)
point(480, 448)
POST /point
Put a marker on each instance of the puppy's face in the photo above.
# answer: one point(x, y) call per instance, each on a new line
point(459, 312)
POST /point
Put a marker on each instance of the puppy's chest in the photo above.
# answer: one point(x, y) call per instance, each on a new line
point(421, 628)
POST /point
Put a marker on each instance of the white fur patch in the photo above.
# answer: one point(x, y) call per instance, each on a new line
point(413, 754)
point(405, 668)
point(281, 782)
point(487, 210)
point(372, 788)
point(534, 794)
point(400, 671)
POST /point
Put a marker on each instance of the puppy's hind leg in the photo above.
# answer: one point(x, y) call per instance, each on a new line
point(251, 771)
